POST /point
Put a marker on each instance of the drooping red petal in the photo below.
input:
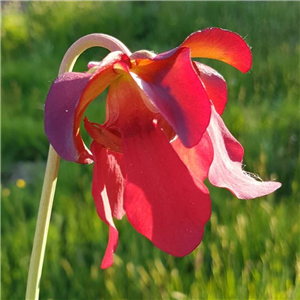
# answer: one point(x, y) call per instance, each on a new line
point(162, 200)
point(108, 193)
point(220, 44)
point(111, 167)
point(170, 82)
point(60, 108)
point(226, 169)
point(198, 158)
point(215, 86)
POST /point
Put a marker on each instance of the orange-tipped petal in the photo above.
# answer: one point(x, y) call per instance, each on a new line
point(220, 44)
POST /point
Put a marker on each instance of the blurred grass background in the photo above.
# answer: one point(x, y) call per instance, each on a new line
point(250, 249)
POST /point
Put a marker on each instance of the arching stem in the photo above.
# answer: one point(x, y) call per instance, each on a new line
point(50, 179)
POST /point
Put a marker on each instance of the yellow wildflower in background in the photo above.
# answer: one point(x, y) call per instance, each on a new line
point(21, 183)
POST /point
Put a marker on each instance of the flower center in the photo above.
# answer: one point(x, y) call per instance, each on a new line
point(108, 138)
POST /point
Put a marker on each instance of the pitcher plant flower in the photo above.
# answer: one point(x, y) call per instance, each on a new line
point(163, 135)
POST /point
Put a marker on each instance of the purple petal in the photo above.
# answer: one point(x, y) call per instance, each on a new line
point(60, 110)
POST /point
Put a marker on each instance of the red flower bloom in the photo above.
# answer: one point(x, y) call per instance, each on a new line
point(141, 168)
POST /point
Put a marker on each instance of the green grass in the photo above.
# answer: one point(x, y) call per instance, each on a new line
point(250, 249)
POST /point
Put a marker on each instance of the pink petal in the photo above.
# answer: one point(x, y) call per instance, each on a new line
point(170, 82)
point(226, 169)
point(108, 192)
point(220, 44)
point(162, 200)
point(198, 158)
point(215, 86)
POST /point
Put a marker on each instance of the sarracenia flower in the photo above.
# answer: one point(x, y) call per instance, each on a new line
point(162, 137)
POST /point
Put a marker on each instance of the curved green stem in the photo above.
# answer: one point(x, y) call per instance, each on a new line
point(89, 41)
point(50, 179)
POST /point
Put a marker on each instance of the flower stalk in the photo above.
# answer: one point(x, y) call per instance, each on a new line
point(51, 172)
point(42, 226)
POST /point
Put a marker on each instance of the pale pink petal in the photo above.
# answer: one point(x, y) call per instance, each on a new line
point(226, 169)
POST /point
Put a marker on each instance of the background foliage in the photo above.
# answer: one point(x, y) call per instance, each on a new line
point(250, 249)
